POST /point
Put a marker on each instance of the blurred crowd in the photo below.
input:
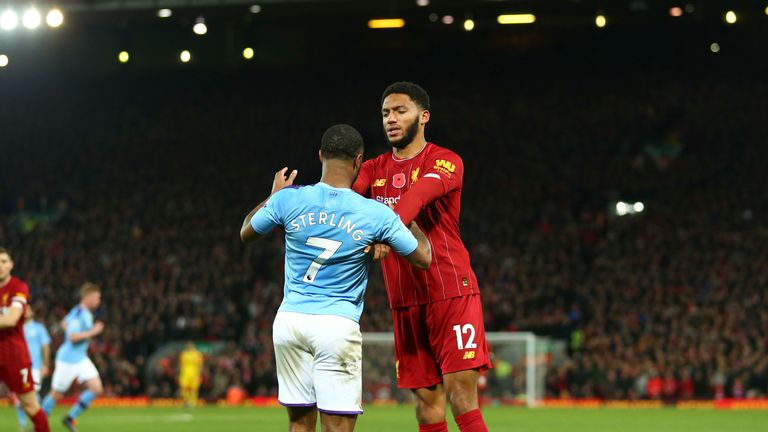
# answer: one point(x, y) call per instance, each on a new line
point(141, 186)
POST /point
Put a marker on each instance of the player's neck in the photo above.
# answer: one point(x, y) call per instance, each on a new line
point(336, 176)
point(4, 282)
point(411, 150)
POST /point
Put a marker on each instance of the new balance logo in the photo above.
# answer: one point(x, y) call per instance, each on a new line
point(469, 355)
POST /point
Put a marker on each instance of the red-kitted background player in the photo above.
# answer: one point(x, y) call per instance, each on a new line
point(15, 363)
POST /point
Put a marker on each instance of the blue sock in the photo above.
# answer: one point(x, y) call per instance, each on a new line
point(48, 404)
point(82, 404)
point(22, 415)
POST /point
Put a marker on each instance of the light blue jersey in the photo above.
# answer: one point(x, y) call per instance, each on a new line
point(37, 337)
point(78, 320)
point(326, 231)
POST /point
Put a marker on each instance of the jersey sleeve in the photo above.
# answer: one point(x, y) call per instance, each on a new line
point(447, 168)
point(364, 179)
point(395, 234)
point(20, 296)
point(271, 215)
point(445, 175)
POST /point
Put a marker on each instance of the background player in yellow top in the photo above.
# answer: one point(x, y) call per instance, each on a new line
point(190, 371)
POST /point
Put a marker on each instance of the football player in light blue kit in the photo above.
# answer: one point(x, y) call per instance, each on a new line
point(72, 362)
point(328, 232)
point(39, 344)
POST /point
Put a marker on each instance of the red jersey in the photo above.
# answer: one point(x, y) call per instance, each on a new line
point(13, 346)
point(434, 179)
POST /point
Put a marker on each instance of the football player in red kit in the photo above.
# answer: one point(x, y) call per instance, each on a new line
point(15, 363)
point(440, 345)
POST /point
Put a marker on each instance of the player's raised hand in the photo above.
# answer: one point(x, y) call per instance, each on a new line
point(378, 251)
point(282, 181)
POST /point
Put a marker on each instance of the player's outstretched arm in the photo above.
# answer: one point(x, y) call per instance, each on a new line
point(421, 258)
point(247, 233)
point(10, 318)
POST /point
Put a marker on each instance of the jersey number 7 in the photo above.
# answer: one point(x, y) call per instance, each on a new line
point(330, 246)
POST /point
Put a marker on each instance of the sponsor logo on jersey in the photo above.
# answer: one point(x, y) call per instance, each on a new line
point(387, 200)
point(469, 355)
point(415, 175)
point(444, 167)
point(464, 281)
point(441, 163)
point(398, 180)
point(379, 182)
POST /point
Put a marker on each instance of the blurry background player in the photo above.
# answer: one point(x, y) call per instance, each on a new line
point(190, 371)
point(72, 362)
point(318, 344)
point(439, 357)
point(15, 362)
point(39, 343)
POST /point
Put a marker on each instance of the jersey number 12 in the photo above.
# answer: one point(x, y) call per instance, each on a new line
point(330, 246)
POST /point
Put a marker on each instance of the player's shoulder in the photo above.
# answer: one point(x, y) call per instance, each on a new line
point(17, 284)
point(443, 152)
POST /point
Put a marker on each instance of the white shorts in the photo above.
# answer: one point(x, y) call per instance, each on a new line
point(319, 362)
point(66, 373)
point(37, 378)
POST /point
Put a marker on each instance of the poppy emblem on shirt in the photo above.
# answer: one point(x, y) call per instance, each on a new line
point(398, 180)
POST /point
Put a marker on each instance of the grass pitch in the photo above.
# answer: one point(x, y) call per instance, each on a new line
point(401, 419)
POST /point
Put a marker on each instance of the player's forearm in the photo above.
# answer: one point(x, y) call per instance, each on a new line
point(422, 257)
point(10, 318)
point(247, 234)
point(421, 195)
point(47, 356)
point(79, 337)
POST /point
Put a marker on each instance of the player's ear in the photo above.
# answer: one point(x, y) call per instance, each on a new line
point(320, 155)
point(425, 117)
point(358, 162)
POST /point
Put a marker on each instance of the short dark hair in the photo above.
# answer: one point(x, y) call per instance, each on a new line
point(7, 252)
point(341, 141)
point(414, 91)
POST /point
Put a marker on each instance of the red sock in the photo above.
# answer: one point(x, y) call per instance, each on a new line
point(434, 427)
point(471, 421)
point(40, 421)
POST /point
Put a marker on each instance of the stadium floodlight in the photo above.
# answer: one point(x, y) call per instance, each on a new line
point(3, 60)
point(516, 19)
point(469, 24)
point(676, 11)
point(600, 21)
point(248, 53)
point(386, 23)
point(714, 47)
point(730, 17)
point(185, 56)
point(448, 19)
point(422, 3)
point(433, 17)
point(766, 10)
point(9, 20)
point(31, 18)
point(164, 13)
point(200, 28)
point(622, 208)
point(638, 207)
point(123, 57)
point(55, 18)
point(254, 9)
